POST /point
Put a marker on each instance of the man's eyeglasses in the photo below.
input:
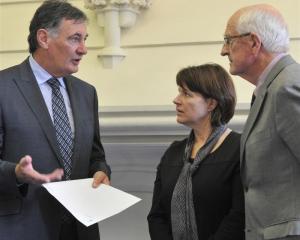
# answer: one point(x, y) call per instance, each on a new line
point(228, 39)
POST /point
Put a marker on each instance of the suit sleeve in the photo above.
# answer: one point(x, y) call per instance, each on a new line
point(97, 161)
point(287, 107)
point(159, 227)
point(8, 181)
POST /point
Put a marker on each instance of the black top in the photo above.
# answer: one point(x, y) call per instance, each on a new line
point(217, 192)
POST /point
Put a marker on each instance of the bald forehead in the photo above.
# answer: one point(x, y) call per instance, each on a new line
point(264, 7)
point(268, 9)
point(233, 20)
point(231, 24)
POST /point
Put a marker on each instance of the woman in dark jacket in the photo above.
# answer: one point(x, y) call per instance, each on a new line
point(198, 193)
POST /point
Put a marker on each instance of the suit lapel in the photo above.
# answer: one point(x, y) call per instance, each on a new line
point(30, 90)
point(260, 98)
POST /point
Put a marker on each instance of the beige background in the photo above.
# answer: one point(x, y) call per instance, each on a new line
point(172, 34)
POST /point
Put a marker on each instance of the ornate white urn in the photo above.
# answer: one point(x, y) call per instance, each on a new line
point(113, 15)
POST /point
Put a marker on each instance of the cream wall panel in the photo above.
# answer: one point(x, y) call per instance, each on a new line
point(11, 58)
point(197, 20)
point(15, 18)
point(167, 21)
point(174, 21)
point(170, 35)
point(153, 81)
point(14, 24)
point(295, 49)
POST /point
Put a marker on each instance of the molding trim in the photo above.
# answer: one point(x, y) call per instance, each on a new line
point(150, 45)
point(129, 123)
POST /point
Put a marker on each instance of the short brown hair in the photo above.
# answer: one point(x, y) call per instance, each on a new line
point(211, 81)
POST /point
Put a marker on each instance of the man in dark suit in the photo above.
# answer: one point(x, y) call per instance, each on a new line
point(256, 42)
point(49, 129)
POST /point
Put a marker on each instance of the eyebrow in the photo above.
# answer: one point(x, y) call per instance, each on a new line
point(79, 35)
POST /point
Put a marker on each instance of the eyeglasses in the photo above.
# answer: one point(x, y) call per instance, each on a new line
point(228, 39)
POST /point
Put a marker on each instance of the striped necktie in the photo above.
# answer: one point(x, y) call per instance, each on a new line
point(62, 127)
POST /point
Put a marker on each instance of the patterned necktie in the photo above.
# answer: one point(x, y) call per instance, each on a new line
point(62, 127)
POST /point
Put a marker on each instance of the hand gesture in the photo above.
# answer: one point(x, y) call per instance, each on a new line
point(25, 173)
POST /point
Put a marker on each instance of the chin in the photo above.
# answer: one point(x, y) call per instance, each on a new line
point(180, 121)
point(236, 70)
point(72, 70)
point(233, 72)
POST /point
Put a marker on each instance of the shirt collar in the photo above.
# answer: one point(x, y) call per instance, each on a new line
point(41, 75)
point(267, 70)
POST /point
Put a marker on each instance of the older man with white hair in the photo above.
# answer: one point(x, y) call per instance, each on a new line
point(256, 43)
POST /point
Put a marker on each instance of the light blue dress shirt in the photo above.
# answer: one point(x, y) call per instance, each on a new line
point(42, 76)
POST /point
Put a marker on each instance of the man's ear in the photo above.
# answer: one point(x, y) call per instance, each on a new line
point(42, 37)
point(256, 43)
point(211, 104)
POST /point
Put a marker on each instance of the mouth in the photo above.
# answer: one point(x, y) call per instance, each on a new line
point(76, 61)
point(178, 110)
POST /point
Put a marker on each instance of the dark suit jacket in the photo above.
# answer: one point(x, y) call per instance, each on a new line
point(270, 156)
point(29, 212)
point(217, 192)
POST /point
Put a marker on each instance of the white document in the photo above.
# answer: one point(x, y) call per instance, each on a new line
point(90, 205)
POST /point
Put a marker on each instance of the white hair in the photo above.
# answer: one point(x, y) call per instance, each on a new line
point(270, 27)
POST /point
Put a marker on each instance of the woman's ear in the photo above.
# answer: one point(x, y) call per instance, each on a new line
point(211, 104)
point(42, 37)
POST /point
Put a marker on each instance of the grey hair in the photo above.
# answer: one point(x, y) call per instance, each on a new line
point(49, 16)
point(270, 27)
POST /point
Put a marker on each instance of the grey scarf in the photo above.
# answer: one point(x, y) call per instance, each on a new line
point(183, 217)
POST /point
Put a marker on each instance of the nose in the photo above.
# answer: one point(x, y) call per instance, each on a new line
point(82, 49)
point(176, 100)
point(224, 50)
